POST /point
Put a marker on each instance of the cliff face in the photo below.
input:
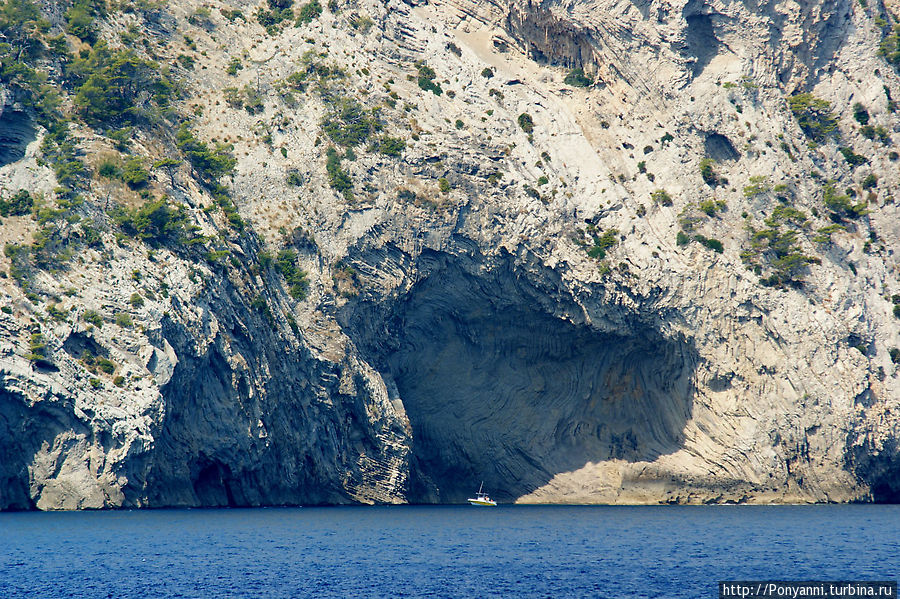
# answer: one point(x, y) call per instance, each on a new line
point(651, 280)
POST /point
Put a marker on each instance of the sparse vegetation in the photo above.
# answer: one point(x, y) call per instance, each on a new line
point(577, 78)
point(662, 197)
point(860, 114)
point(852, 158)
point(839, 204)
point(708, 173)
point(390, 146)
point(21, 203)
point(814, 116)
point(286, 263)
point(309, 12)
point(775, 253)
point(156, 222)
point(425, 79)
point(92, 317)
point(526, 122)
point(349, 124)
point(338, 178)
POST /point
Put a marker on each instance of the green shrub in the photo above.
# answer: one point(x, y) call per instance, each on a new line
point(890, 47)
point(234, 66)
point(897, 310)
point(543, 180)
point(110, 81)
point(444, 185)
point(338, 178)
point(681, 238)
point(710, 207)
point(426, 81)
point(294, 178)
point(870, 181)
point(92, 317)
point(109, 169)
point(38, 352)
point(860, 114)
point(779, 250)
point(661, 196)
point(601, 242)
point(157, 222)
point(390, 146)
point(134, 174)
point(814, 116)
point(208, 163)
point(708, 173)
point(349, 124)
point(107, 366)
point(123, 319)
point(80, 23)
point(852, 158)
point(713, 244)
point(274, 17)
point(309, 12)
point(20, 204)
point(119, 381)
point(286, 263)
point(487, 72)
point(577, 78)
point(758, 185)
point(136, 300)
point(840, 204)
point(526, 122)
point(824, 234)
point(363, 23)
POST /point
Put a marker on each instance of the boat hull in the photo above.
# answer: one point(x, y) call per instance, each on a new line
point(483, 503)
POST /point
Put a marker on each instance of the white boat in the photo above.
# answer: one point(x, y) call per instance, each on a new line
point(482, 499)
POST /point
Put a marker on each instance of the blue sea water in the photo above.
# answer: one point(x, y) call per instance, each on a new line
point(448, 551)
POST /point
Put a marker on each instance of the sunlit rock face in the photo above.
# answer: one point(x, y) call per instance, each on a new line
point(506, 299)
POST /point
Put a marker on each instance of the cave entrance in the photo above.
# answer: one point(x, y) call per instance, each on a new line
point(17, 130)
point(497, 389)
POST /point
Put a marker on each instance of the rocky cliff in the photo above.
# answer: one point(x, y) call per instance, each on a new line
point(593, 251)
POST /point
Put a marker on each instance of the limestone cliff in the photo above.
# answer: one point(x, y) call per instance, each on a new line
point(599, 251)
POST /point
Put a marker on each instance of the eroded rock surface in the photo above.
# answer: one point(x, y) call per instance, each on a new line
point(497, 301)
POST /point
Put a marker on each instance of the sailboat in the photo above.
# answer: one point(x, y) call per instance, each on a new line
point(481, 498)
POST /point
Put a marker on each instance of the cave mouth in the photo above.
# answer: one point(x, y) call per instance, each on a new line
point(499, 390)
point(17, 130)
point(701, 42)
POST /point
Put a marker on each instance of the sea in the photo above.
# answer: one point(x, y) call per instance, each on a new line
point(441, 551)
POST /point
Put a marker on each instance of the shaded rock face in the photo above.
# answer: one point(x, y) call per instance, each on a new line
point(498, 389)
point(252, 420)
point(16, 131)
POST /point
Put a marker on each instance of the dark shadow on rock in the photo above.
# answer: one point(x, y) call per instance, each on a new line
point(16, 132)
point(702, 45)
point(719, 148)
point(876, 465)
point(24, 429)
point(497, 389)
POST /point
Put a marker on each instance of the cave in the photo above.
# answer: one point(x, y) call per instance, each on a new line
point(719, 148)
point(701, 42)
point(16, 132)
point(498, 389)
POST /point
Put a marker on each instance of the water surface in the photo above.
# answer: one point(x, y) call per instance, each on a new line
point(447, 551)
